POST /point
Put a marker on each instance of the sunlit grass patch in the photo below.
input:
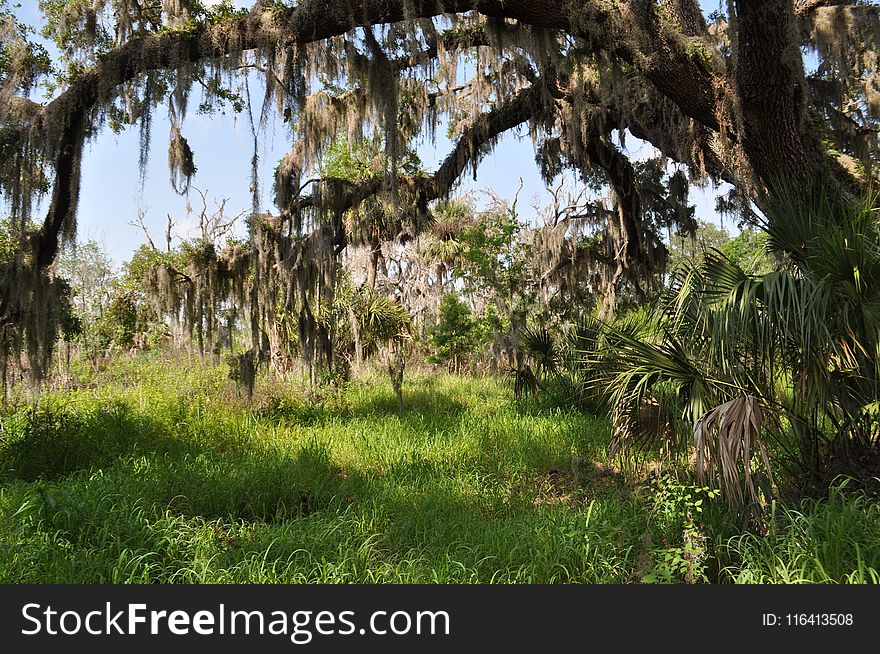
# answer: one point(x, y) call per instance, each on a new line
point(161, 473)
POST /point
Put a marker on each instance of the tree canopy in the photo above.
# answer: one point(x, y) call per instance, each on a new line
point(766, 95)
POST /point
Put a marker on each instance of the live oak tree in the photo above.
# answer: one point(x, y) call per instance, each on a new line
point(726, 98)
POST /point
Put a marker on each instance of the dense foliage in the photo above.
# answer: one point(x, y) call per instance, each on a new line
point(781, 365)
point(738, 366)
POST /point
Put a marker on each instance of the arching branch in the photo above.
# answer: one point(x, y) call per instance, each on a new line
point(481, 133)
point(803, 8)
point(768, 77)
point(340, 195)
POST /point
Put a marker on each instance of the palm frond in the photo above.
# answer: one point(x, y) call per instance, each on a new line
point(727, 440)
point(538, 344)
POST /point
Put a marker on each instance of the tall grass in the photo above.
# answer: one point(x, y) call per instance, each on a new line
point(159, 472)
point(830, 541)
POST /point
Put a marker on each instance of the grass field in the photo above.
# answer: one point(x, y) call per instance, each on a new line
point(159, 472)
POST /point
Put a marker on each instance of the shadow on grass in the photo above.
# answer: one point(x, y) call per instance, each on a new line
point(111, 483)
point(110, 455)
point(319, 410)
point(422, 402)
point(151, 518)
point(51, 442)
point(428, 533)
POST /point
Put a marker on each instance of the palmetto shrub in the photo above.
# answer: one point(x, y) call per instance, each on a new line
point(770, 374)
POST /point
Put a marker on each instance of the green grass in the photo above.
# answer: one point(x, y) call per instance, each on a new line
point(832, 541)
point(160, 473)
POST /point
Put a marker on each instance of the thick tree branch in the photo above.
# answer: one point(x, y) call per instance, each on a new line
point(769, 75)
point(803, 8)
point(340, 195)
point(665, 61)
point(481, 133)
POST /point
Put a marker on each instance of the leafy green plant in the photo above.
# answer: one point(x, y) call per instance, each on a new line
point(802, 342)
point(678, 508)
point(748, 250)
point(456, 335)
point(118, 324)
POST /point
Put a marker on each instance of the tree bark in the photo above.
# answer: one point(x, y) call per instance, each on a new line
point(782, 146)
point(356, 337)
point(375, 255)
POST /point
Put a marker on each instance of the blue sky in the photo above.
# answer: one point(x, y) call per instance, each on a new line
point(112, 195)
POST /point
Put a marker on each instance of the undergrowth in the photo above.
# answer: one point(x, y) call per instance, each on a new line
point(157, 471)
